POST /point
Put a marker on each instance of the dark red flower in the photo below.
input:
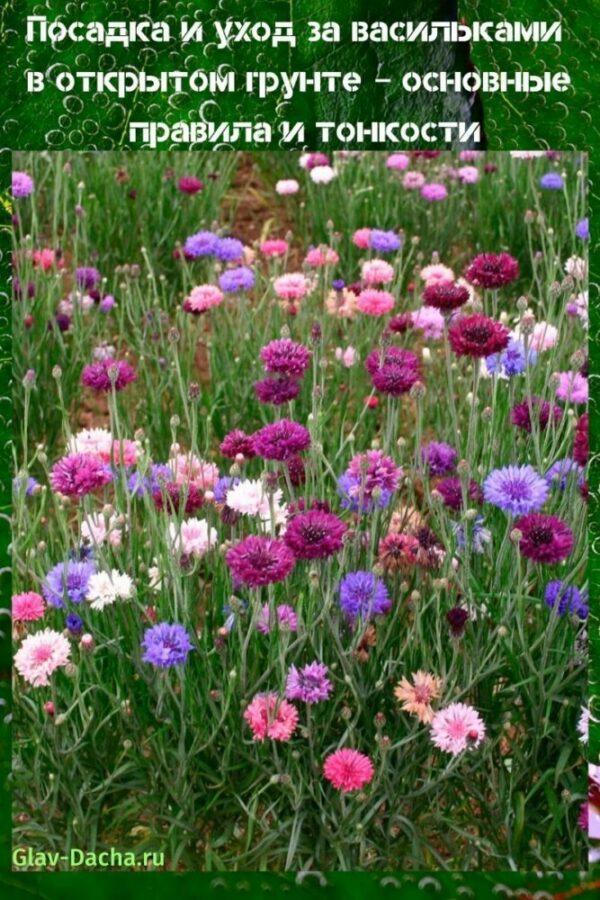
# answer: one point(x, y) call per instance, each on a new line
point(445, 295)
point(478, 336)
point(493, 270)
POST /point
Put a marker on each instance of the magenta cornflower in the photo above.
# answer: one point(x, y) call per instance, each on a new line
point(277, 390)
point(445, 295)
point(492, 270)
point(259, 560)
point(393, 371)
point(285, 357)
point(315, 534)
point(285, 618)
point(434, 192)
point(189, 184)
point(478, 336)
point(581, 443)
point(348, 770)
point(107, 374)
point(374, 471)
point(572, 387)
point(79, 474)
point(542, 410)
point(237, 443)
point(451, 491)
point(281, 440)
point(309, 684)
point(22, 185)
point(457, 728)
point(545, 539)
point(270, 716)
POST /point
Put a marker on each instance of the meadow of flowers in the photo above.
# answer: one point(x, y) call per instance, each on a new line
point(300, 494)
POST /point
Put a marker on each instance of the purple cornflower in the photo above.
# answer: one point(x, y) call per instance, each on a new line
point(566, 598)
point(285, 619)
point(551, 181)
point(362, 595)
point(277, 390)
point(22, 185)
point(558, 473)
point(440, 458)
point(228, 249)
point(237, 443)
point(384, 241)
point(281, 440)
point(309, 684)
point(67, 581)
point(511, 361)
point(393, 371)
point(74, 623)
point(223, 485)
point(202, 243)
point(516, 489)
point(235, 281)
point(457, 619)
point(87, 277)
point(159, 474)
point(102, 376)
point(315, 534)
point(25, 483)
point(451, 491)
point(285, 357)
point(79, 474)
point(166, 645)
point(582, 229)
point(259, 560)
point(353, 498)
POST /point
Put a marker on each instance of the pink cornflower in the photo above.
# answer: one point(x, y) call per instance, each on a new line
point(274, 247)
point(377, 271)
point(286, 187)
point(28, 607)
point(347, 357)
point(468, 174)
point(194, 537)
point(429, 320)
point(271, 717)
point(416, 696)
point(543, 337)
point(100, 442)
point(102, 376)
point(375, 303)
point(572, 387)
point(78, 474)
point(398, 161)
point(321, 256)
point(285, 619)
point(201, 298)
point(456, 728)
point(188, 468)
point(348, 770)
point(434, 192)
point(40, 655)
point(362, 238)
point(44, 259)
point(292, 286)
point(413, 181)
point(436, 272)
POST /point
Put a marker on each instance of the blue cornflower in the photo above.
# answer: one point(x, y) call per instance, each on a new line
point(384, 241)
point(67, 581)
point(234, 281)
point(558, 473)
point(582, 229)
point(228, 249)
point(552, 181)
point(202, 243)
point(362, 596)
point(166, 645)
point(566, 598)
point(354, 496)
point(517, 490)
point(512, 361)
point(480, 535)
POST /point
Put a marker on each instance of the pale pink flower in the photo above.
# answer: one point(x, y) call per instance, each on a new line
point(543, 337)
point(468, 174)
point(576, 267)
point(287, 186)
point(321, 256)
point(348, 356)
point(429, 320)
point(572, 387)
point(413, 181)
point(97, 529)
point(202, 297)
point(192, 537)
point(188, 468)
point(342, 304)
point(362, 238)
point(292, 286)
point(436, 272)
point(322, 174)
point(40, 655)
point(456, 728)
point(377, 271)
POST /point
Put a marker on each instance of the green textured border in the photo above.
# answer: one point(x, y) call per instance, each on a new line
point(527, 123)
